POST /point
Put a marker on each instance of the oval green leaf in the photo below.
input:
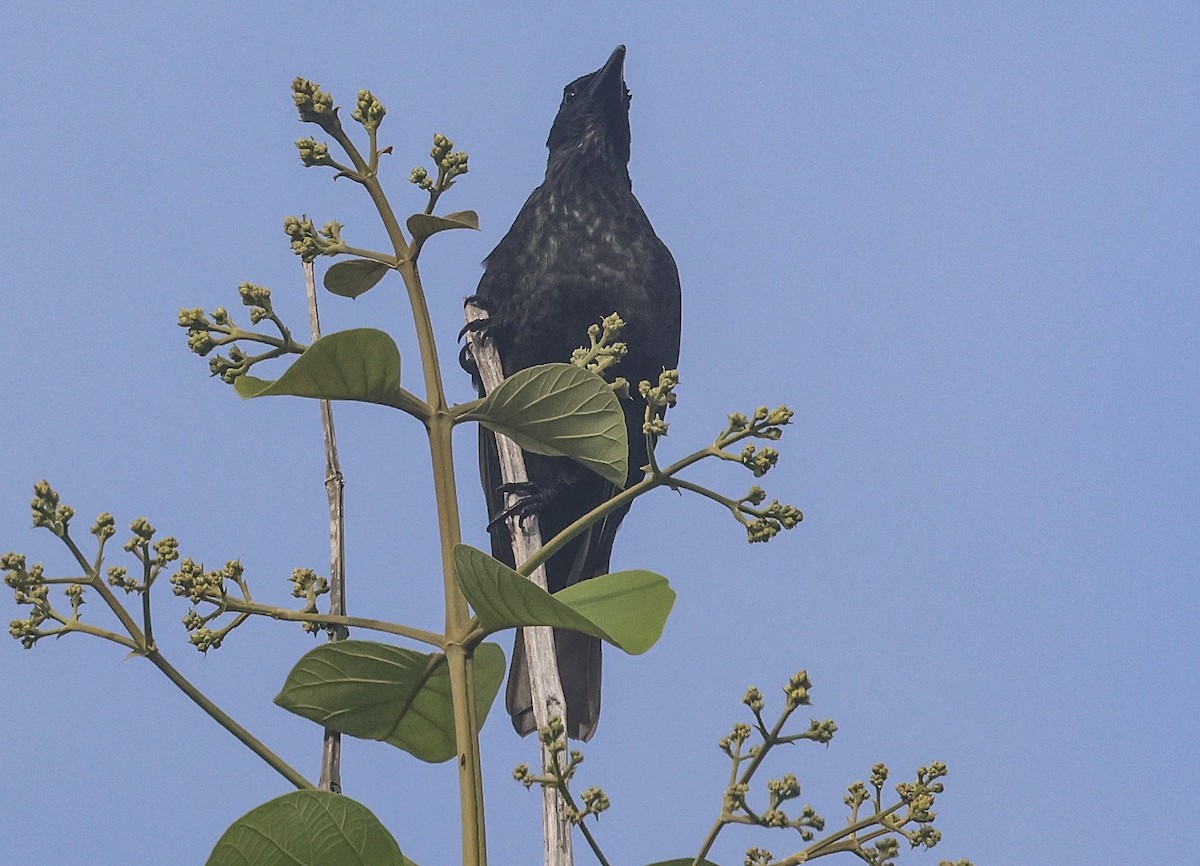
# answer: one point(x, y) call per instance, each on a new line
point(562, 411)
point(396, 695)
point(360, 364)
point(628, 609)
point(355, 277)
point(422, 225)
point(307, 828)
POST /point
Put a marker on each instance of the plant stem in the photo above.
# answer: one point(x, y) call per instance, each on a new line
point(439, 424)
point(227, 722)
point(650, 482)
point(770, 738)
point(252, 607)
point(331, 747)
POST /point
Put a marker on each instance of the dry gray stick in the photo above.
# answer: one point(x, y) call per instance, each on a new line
point(545, 685)
point(331, 752)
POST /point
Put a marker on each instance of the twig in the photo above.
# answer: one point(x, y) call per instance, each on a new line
point(331, 752)
point(546, 688)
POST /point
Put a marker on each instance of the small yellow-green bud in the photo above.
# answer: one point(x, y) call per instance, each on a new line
point(735, 796)
point(595, 800)
point(753, 699)
point(314, 105)
point(205, 639)
point(797, 689)
point(192, 318)
point(369, 111)
point(758, 857)
point(313, 152)
point(441, 147)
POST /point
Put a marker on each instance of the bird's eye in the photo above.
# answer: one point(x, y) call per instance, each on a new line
point(569, 92)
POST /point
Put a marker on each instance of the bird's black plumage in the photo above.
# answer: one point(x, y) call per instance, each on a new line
point(580, 249)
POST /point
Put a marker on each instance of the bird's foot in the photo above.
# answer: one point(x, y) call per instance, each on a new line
point(530, 500)
point(475, 326)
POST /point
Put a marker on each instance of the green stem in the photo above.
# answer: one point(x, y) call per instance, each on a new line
point(845, 839)
point(227, 722)
point(458, 656)
point(140, 645)
point(97, 583)
point(83, 627)
point(239, 606)
point(769, 740)
point(662, 479)
point(439, 424)
point(382, 258)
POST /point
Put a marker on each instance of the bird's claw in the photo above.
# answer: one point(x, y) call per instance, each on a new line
point(467, 361)
point(530, 500)
point(475, 326)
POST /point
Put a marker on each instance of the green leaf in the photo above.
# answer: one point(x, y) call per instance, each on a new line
point(422, 225)
point(353, 278)
point(562, 411)
point(360, 364)
point(626, 608)
point(376, 691)
point(307, 828)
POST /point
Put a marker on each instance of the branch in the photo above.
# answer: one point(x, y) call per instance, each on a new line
point(548, 699)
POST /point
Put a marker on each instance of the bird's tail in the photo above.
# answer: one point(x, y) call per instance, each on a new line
point(579, 658)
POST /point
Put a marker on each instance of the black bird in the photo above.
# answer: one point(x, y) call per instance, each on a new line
point(580, 249)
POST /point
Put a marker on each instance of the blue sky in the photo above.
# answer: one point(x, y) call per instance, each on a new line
point(960, 241)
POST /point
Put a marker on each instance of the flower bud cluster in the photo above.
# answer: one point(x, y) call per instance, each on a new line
point(787, 788)
point(369, 111)
point(118, 577)
point(735, 797)
point(658, 399)
point(450, 164)
point(739, 735)
point(764, 424)
point(879, 774)
point(28, 586)
point(797, 690)
point(142, 533)
point(307, 242)
point(48, 512)
point(314, 105)
point(105, 526)
point(605, 351)
point(307, 584)
point(228, 369)
point(258, 299)
point(758, 857)
point(753, 699)
point(199, 585)
point(522, 774)
point(420, 177)
point(199, 328)
point(821, 732)
point(770, 520)
point(759, 461)
point(313, 152)
point(595, 801)
point(205, 639)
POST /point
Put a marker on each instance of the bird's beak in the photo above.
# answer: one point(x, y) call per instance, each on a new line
point(610, 78)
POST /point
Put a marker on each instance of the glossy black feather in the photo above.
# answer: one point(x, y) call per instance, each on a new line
point(580, 249)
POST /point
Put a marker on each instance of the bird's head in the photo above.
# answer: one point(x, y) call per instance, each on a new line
point(593, 120)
